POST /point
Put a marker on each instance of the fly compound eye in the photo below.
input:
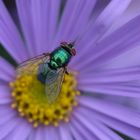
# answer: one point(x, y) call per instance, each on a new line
point(73, 51)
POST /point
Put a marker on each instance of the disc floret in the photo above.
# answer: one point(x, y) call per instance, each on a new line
point(29, 99)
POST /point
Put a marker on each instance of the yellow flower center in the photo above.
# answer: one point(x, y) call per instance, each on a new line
point(30, 100)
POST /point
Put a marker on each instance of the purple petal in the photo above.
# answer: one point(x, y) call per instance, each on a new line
point(81, 129)
point(101, 131)
point(74, 18)
point(27, 28)
point(111, 81)
point(51, 133)
point(6, 117)
point(6, 68)
point(113, 46)
point(53, 20)
point(98, 28)
point(113, 110)
point(48, 23)
point(39, 16)
point(21, 131)
point(111, 75)
point(4, 92)
point(32, 135)
point(112, 89)
point(7, 71)
point(4, 101)
point(65, 133)
point(10, 37)
point(37, 134)
point(134, 102)
point(5, 97)
point(76, 133)
point(6, 114)
point(9, 126)
point(125, 60)
point(111, 122)
point(5, 109)
point(104, 21)
point(82, 20)
point(38, 23)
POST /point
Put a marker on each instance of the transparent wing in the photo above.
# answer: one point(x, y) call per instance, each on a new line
point(53, 85)
point(31, 66)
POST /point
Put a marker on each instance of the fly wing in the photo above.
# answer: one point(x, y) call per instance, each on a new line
point(53, 85)
point(31, 66)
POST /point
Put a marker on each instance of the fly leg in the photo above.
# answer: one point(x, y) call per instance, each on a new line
point(66, 70)
point(46, 54)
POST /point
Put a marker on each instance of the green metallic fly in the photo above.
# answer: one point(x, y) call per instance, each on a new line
point(50, 68)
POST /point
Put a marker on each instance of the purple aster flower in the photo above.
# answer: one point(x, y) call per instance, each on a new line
point(43, 25)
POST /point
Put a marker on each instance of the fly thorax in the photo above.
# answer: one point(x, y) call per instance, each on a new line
point(53, 64)
point(59, 58)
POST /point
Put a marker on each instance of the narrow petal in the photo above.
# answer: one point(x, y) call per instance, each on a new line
point(113, 123)
point(111, 75)
point(7, 71)
point(38, 23)
point(76, 133)
point(112, 89)
point(44, 20)
point(113, 110)
point(97, 128)
point(113, 46)
point(98, 28)
point(6, 114)
point(4, 92)
point(53, 20)
point(5, 119)
point(6, 128)
point(74, 20)
point(106, 130)
point(82, 20)
point(82, 130)
point(25, 21)
point(65, 133)
point(112, 82)
point(51, 133)
point(21, 131)
point(104, 21)
point(5, 109)
point(10, 37)
point(5, 96)
point(4, 101)
point(37, 134)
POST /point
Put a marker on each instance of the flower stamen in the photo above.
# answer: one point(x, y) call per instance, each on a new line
point(29, 99)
